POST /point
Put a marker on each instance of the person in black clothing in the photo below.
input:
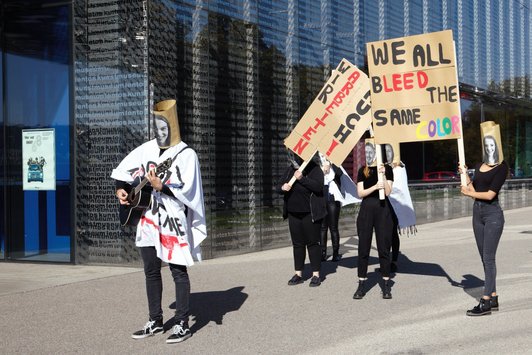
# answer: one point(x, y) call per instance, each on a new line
point(488, 224)
point(396, 242)
point(304, 206)
point(332, 183)
point(374, 214)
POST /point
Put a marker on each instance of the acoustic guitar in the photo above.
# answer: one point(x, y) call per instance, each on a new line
point(139, 197)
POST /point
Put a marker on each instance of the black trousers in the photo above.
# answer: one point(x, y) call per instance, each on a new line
point(374, 214)
point(154, 286)
point(488, 224)
point(330, 222)
point(305, 234)
point(396, 243)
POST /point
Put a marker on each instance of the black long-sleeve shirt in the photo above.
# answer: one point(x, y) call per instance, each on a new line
point(306, 194)
point(490, 180)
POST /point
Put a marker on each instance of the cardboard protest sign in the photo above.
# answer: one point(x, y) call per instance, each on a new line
point(414, 88)
point(491, 143)
point(336, 119)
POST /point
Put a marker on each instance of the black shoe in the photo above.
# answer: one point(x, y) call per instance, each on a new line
point(153, 327)
point(482, 309)
point(494, 303)
point(315, 281)
point(324, 255)
point(360, 292)
point(296, 279)
point(386, 290)
point(393, 267)
point(336, 257)
point(180, 332)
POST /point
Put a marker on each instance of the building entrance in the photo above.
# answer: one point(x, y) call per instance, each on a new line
point(36, 125)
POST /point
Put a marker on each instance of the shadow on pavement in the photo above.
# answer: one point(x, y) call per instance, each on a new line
point(471, 284)
point(208, 307)
point(329, 267)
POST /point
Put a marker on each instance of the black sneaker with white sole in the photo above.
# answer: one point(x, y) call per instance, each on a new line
point(180, 332)
point(153, 327)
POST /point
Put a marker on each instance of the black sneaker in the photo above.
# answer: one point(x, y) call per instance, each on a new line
point(153, 327)
point(296, 279)
point(180, 332)
point(315, 281)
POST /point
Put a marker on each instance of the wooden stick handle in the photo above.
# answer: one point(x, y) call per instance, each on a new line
point(301, 168)
point(460, 142)
point(379, 163)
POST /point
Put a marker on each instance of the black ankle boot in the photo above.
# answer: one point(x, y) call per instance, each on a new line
point(494, 303)
point(483, 308)
point(336, 256)
point(324, 255)
point(360, 292)
point(386, 290)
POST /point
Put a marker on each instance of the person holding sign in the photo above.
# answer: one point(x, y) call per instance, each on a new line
point(396, 243)
point(488, 217)
point(304, 206)
point(403, 214)
point(172, 226)
point(333, 197)
point(374, 214)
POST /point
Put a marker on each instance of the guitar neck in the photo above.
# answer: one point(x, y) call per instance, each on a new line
point(159, 169)
point(141, 185)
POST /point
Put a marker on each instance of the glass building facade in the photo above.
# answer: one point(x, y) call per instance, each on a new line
point(243, 72)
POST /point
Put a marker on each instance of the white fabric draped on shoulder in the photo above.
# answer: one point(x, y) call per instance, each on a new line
point(348, 189)
point(402, 202)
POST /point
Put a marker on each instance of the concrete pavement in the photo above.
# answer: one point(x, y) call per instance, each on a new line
point(242, 305)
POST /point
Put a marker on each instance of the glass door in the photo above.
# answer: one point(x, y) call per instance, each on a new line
point(36, 63)
point(2, 152)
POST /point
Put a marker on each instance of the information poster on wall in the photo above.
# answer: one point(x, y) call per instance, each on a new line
point(414, 88)
point(38, 159)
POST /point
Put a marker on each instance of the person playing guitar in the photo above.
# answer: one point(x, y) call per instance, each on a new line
point(168, 210)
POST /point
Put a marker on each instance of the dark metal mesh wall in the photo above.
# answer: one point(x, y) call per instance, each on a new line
point(111, 107)
point(243, 72)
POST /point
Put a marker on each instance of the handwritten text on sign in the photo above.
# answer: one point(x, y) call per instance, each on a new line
point(414, 91)
point(337, 117)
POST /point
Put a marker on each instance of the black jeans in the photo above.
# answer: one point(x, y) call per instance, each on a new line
point(154, 286)
point(305, 234)
point(396, 243)
point(488, 223)
point(331, 222)
point(374, 213)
